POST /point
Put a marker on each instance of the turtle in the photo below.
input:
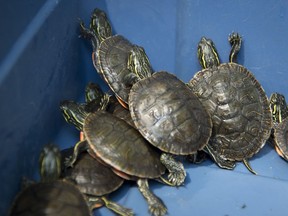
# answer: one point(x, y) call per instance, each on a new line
point(280, 128)
point(120, 146)
point(50, 196)
point(110, 55)
point(70, 109)
point(113, 58)
point(167, 113)
point(237, 103)
point(94, 180)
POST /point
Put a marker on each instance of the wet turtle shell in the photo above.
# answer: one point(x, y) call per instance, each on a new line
point(281, 138)
point(121, 146)
point(50, 198)
point(239, 109)
point(92, 177)
point(169, 115)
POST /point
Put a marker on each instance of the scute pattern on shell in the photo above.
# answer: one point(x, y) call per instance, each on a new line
point(169, 115)
point(112, 63)
point(55, 198)
point(121, 146)
point(239, 109)
point(92, 177)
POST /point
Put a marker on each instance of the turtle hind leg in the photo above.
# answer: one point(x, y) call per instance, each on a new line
point(235, 41)
point(177, 173)
point(96, 202)
point(225, 164)
point(156, 205)
point(247, 164)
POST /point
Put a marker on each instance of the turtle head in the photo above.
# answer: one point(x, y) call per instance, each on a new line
point(278, 107)
point(95, 98)
point(100, 25)
point(50, 163)
point(74, 113)
point(207, 53)
point(138, 62)
point(93, 92)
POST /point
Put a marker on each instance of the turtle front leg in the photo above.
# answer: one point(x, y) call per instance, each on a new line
point(130, 79)
point(156, 205)
point(96, 202)
point(81, 146)
point(235, 41)
point(177, 173)
point(88, 34)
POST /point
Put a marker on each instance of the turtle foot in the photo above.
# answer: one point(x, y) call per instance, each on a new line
point(68, 161)
point(158, 208)
point(234, 37)
point(156, 205)
point(177, 173)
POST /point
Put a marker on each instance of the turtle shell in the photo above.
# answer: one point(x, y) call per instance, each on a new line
point(55, 198)
point(119, 111)
point(239, 109)
point(281, 138)
point(112, 64)
point(121, 146)
point(169, 115)
point(92, 177)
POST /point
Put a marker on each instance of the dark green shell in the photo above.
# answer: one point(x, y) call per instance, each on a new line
point(92, 177)
point(281, 138)
point(169, 115)
point(112, 64)
point(239, 109)
point(121, 146)
point(56, 198)
point(119, 111)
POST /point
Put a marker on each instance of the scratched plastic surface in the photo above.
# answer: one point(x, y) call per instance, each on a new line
point(169, 31)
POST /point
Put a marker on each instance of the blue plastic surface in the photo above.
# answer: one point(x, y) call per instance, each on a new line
point(48, 62)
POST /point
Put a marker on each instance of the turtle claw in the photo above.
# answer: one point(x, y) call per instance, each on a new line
point(158, 208)
point(68, 162)
point(177, 178)
point(234, 37)
point(177, 173)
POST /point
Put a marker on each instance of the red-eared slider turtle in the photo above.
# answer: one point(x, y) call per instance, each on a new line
point(117, 144)
point(237, 103)
point(72, 110)
point(95, 180)
point(50, 197)
point(167, 113)
point(110, 55)
point(280, 120)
